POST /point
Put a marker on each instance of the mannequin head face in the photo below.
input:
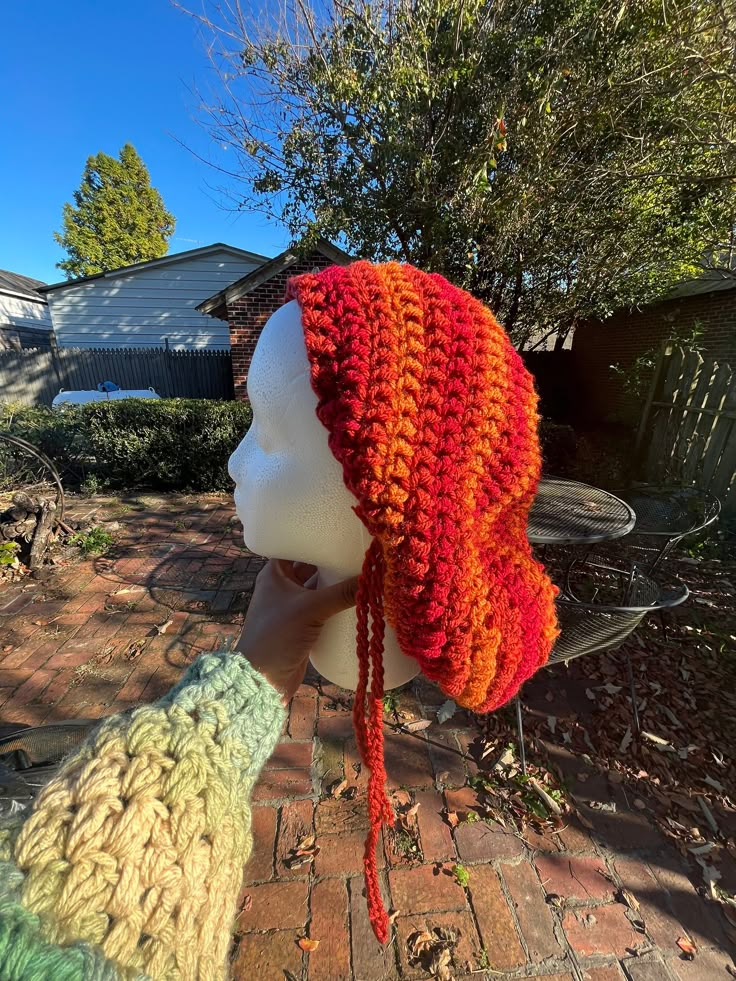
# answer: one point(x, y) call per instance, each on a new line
point(289, 494)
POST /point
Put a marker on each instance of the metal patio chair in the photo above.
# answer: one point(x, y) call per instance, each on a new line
point(664, 516)
point(598, 608)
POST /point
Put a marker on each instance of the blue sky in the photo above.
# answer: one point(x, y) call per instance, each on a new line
point(83, 76)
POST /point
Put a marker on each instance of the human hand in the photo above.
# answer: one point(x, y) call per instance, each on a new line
point(284, 620)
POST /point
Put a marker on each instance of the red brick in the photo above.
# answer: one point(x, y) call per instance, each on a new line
point(70, 619)
point(434, 832)
point(600, 930)
point(75, 653)
point(649, 967)
point(263, 829)
point(480, 841)
point(329, 925)
point(302, 715)
point(14, 677)
point(275, 904)
point(553, 977)
point(706, 965)
point(342, 854)
point(33, 688)
point(341, 816)
point(329, 754)
point(58, 687)
point(278, 784)
point(289, 755)
point(575, 877)
point(426, 888)
point(407, 760)
point(133, 689)
point(464, 954)
point(532, 912)
point(495, 921)
point(371, 960)
point(702, 920)
point(296, 822)
point(611, 972)
point(574, 837)
point(546, 842)
point(447, 758)
point(266, 956)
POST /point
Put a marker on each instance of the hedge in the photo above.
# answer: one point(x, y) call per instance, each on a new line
point(167, 444)
point(184, 444)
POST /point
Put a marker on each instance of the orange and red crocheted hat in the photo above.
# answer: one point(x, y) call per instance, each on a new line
point(433, 417)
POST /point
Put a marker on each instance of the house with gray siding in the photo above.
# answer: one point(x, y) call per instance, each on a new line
point(24, 312)
point(149, 304)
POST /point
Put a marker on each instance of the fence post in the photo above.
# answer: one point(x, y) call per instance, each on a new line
point(657, 377)
point(169, 373)
point(55, 359)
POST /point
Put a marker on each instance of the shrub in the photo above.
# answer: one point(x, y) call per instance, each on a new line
point(174, 444)
point(92, 542)
point(171, 444)
point(60, 435)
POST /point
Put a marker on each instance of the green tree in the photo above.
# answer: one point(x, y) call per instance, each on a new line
point(559, 159)
point(117, 218)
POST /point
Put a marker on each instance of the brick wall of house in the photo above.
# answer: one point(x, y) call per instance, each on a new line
point(248, 315)
point(627, 335)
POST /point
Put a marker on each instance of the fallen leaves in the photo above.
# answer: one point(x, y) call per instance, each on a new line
point(417, 726)
point(446, 711)
point(630, 900)
point(340, 790)
point(134, 650)
point(432, 951)
point(687, 947)
point(303, 853)
point(307, 944)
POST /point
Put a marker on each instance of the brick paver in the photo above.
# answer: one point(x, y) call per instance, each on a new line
point(112, 632)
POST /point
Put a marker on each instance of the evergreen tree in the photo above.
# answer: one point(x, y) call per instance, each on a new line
point(117, 218)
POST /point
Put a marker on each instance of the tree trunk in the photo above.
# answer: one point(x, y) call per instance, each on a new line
point(39, 545)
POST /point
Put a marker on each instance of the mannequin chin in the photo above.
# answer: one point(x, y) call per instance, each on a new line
point(290, 495)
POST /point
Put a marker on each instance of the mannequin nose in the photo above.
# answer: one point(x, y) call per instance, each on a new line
point(235, 465)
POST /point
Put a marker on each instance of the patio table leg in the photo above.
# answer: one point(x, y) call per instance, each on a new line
point(520, 728)
point(632, 685)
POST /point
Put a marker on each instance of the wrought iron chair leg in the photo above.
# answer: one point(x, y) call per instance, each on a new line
point(662, 553)
point(632, 685)
point(520, 728)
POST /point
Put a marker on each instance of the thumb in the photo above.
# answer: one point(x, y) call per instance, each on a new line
point(325, 602)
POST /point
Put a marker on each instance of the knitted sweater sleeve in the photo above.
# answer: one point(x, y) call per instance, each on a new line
point(130, 862)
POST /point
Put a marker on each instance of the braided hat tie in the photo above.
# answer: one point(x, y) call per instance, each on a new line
point(433, 417)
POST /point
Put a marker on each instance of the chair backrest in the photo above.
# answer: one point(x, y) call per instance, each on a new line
point(672, 512)
point(602, 604)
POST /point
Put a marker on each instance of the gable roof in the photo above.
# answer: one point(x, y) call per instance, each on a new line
point(262, 274)
point(711, 281)
point(18, 285)
point(165, 260)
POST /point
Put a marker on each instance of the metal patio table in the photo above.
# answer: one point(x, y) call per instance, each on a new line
point(566, 512)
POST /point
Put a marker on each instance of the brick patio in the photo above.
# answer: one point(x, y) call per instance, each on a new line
point(92, 641)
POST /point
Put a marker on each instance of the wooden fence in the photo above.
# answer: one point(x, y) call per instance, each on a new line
point(687, 433)
point(35, 376)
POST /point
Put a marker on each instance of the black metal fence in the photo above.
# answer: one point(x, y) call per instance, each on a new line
point(35, 376)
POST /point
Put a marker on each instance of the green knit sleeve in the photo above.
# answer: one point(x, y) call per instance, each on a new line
point(132, 857)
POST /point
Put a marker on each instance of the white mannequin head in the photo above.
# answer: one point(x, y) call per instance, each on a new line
point(290, 495)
